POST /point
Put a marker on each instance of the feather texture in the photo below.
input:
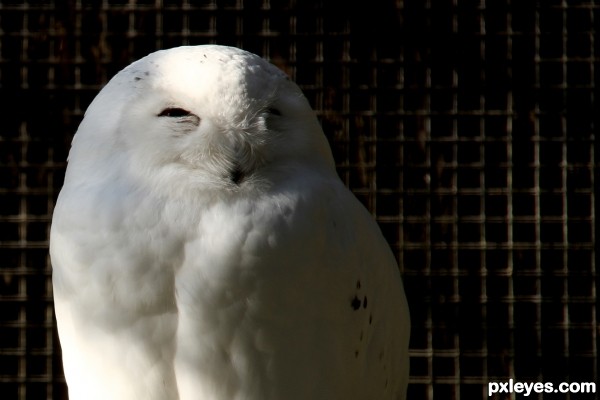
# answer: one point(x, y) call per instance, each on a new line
point(203, 246)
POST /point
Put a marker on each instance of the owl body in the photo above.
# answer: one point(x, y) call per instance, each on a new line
point(204, 248)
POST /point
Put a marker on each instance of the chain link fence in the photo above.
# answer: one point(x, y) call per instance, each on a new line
point(467, 127)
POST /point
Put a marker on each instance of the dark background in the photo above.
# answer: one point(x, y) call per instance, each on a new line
point(466, 127)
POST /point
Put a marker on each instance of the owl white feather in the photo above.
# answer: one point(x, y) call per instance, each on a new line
point(203, 246)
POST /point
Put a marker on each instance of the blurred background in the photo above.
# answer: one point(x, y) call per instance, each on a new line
point(467, 127)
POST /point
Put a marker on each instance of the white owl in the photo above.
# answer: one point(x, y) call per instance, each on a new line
point(204, 247)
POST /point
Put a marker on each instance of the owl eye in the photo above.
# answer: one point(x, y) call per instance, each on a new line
point(180, 116)
point(174, 112)
point(274, 111)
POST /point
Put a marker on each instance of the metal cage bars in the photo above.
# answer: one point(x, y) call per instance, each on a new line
point(470, 136)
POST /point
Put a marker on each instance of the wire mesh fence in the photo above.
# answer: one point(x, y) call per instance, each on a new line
point(466, 127)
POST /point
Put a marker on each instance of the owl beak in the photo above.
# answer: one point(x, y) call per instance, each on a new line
point(236, 174)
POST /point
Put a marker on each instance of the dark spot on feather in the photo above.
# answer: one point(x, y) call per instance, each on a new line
point(365, 302)
point(137, 78)
point(370, 319)
point(358, 284)
point(361, 336)
point(355, 303)
point(356, 354)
